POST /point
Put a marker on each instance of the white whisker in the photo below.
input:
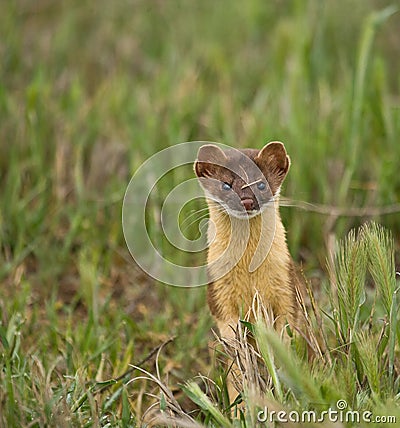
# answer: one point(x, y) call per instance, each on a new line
point(194, 213)
point(194, 221)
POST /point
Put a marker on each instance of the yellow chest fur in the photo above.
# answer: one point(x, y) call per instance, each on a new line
point(247, 257)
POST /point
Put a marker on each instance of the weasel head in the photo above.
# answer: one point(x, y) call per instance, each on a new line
point(242, 182)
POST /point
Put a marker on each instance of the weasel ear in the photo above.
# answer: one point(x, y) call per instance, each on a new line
point(209, 159)
point(274, 163)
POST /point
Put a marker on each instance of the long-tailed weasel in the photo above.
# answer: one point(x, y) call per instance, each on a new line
point(248, 253)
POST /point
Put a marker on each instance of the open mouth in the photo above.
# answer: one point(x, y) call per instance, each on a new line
point(250, 213)
point(245, 214)
point(241, 212)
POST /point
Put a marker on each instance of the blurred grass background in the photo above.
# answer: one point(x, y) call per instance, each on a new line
point(89, 90)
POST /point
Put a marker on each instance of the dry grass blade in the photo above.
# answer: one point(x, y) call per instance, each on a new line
point(335, 211)
point(166, 405)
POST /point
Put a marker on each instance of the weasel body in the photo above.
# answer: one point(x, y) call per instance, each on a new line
point(248, 253)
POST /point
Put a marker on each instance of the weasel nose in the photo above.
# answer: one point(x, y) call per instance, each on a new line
point(248, 204)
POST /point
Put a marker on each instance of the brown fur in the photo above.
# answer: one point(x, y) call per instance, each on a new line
point(247, 256)
point(232, 295)
point(275, 279)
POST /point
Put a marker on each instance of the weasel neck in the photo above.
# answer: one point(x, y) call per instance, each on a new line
point(245, 244)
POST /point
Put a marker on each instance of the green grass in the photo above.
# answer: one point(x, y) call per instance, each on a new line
point(88, 91)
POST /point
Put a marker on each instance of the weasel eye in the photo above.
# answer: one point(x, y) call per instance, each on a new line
point(226, 186)
point(261, 185)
